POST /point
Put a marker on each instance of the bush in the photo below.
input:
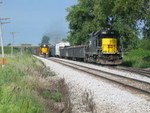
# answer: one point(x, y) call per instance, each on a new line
point(139, 58)
point(145, 44)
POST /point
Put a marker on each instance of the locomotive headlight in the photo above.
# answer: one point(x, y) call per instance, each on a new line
point(103, 32)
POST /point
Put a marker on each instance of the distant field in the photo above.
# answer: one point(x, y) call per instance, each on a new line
point(16, 51)
point(7, 50)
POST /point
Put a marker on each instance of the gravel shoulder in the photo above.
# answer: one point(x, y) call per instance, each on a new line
point(108, 98)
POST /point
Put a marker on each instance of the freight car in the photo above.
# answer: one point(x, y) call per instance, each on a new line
point(55, 49)
point(52, 50)
point(104, 48)
point(74, 52)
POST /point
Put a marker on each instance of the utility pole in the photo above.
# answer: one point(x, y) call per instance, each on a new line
point(21, 50)
point(1, 39)
point(13, 33)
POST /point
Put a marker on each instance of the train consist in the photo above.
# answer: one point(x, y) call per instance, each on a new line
point(104, 48)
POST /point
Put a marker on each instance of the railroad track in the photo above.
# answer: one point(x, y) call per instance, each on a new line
point(136, 84)
point(134, 70)
point(141, 72)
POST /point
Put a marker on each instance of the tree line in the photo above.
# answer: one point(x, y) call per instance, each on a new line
point(129, 17)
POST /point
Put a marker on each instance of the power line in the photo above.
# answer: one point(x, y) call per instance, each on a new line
point(4, 19)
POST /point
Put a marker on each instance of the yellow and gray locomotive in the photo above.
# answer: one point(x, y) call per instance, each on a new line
point(104, 48)
point(44, 50)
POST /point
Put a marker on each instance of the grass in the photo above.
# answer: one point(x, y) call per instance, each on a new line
point(16, 88)
point(55, 94)
point(57, 97)
point(46, 93)
point(139, 58)
point(27, 86)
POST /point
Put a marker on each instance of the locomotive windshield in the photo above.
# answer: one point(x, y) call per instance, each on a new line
point(108, 36)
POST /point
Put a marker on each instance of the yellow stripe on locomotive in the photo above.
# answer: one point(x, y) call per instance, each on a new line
point(109, 45)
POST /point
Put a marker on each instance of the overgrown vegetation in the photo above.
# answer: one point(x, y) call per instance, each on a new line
point(16, 86)
point(139, 58)
point(55, 93)
point(27, 86)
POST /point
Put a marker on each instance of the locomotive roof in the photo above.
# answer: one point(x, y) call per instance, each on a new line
point(104, 32)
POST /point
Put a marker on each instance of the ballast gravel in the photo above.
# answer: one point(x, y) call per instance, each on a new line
point(107, 97)
point(115, 71)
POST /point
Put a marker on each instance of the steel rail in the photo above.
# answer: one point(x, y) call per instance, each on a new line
point(125, 81)
point(133, 70)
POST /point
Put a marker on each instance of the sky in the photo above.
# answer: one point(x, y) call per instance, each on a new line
point(32, 19)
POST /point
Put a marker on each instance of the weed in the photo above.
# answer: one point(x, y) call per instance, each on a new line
point(46, 93)
point(57, 97)
point(46, 72)
point(87, 100)
point(64, 90)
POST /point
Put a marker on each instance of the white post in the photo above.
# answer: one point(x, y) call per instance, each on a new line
point(12, 44)
point(1, 39)
point(21, 49)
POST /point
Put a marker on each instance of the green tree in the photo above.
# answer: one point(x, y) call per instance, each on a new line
point(45, 39)
point(80, 17)
point(124, 16)
point(129, 14)
point(144, 44)
point(146, 28)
